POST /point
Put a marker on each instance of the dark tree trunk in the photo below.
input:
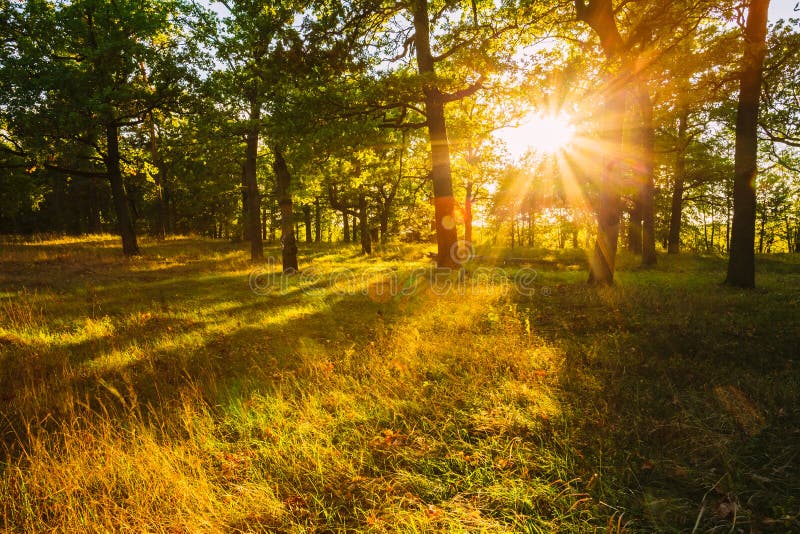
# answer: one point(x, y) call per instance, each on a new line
point(676, 212)
point(129, 245)
point(647, 139)
point(284, 192)
point(355, 228)
point(317, 220)
point(366, 238)
point(307, 222)
point(444, 214)
point(468, 214)
point(253, 219)
point(635, 225)
point(713, 230)
point(346, 229)
point(741, 263)
point(762, 231)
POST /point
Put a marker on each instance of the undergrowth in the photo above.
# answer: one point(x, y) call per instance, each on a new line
point(163, 394)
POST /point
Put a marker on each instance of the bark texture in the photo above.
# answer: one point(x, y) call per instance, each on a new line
point(741, 263)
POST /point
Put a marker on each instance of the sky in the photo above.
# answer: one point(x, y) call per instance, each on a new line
point(783, 9)
point(778, 8)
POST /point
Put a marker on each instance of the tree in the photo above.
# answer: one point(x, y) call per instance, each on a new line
point(599, 15)
point(76, 79)
point(254, 46)
point(741, 263)
point(451, 44)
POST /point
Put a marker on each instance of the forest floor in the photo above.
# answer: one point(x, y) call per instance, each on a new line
point(184, 392)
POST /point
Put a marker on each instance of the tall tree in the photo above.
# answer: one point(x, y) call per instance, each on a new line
point(455, 47)
point(599, 15)
point(741, 263)
point(284, 193)
point(253, 44)
point(77, 80)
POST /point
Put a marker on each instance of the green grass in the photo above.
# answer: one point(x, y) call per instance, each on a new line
point(161, 394)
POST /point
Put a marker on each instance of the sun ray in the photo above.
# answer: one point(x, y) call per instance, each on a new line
point(546, 134)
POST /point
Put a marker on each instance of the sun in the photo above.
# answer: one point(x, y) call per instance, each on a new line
point(545, 134)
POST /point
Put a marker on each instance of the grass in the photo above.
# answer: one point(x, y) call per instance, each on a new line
point(162, 394)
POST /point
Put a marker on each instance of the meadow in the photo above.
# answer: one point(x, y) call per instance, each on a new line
point(188, 390)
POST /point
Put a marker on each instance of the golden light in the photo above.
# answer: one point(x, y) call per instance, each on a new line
point(545, 134)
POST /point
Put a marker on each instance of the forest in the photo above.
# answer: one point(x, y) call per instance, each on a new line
point(399, 265)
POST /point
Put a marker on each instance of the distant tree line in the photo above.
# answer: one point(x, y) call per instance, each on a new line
point(371, 121)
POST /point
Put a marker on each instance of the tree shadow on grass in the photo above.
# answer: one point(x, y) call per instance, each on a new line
point(242, 338)
point(683, 402)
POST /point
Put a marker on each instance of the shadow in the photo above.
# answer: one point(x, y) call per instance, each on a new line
point(684, 397)
point(154, 353)
point(671, 396)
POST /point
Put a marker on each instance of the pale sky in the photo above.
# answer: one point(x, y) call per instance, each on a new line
point(783, 9)
point(778, 9)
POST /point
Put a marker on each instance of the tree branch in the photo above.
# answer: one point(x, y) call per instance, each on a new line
point(463, 93)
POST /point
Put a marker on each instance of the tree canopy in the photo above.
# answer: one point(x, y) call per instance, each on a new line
point(244, 120)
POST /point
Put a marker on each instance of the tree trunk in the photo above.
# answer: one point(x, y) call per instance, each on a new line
point(599, 15)
point(647, 139)
point(635, 224)
point(762, 231)
point(129, 245)
point(713, 230)
point(366, 237)
point(601, 265)
point(444, 214)
point(253, 216)
point(346, 228)
point(307, 222)
point(741, 263)
point(676, 212)
point(317, 220)
point(468, 214)
point(283, 181)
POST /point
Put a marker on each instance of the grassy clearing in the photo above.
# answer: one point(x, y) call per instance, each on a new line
point(163, 394)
